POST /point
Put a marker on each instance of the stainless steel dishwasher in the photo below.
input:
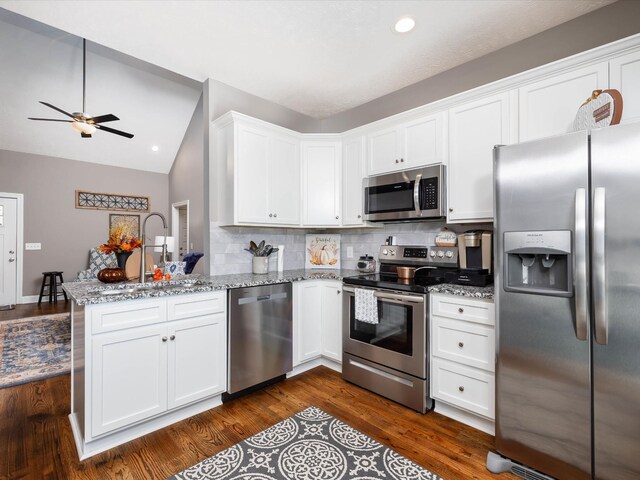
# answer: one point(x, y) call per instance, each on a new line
point(260, 336)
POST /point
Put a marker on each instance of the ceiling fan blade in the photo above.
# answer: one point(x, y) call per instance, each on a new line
point(85, 135)
point(103, 118)
point(113, 130)
point(58, 109)
point(51, 120)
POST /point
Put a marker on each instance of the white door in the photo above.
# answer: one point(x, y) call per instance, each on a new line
point(251, 175)
point(197, 361)
point(352, 175)
point(284, 181)
point(424, 141)
point(307, 321)
point(332, 320)
point(624, 74)
point(8, 250)
point(384, 151)
point(321, 183)
point(129, 371)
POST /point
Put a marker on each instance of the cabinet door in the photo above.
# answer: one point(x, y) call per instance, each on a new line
point(474, 129)
point(352, 175)
point(321, 183)
point(332, 320)
point(424, 141)
point(548, 107)
point(307, 321)
point(384, 151)
point(251, 196)
point(129, 372)
point(197, 365)
point(624, 74)
point(284, 181)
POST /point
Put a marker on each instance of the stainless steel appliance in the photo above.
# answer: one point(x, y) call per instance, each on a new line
point(567, 302)
point(260, 334)
point(410, 195)
point(476, 259)
point(391, 357)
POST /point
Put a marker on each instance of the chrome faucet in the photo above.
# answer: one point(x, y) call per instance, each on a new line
point(143, 259)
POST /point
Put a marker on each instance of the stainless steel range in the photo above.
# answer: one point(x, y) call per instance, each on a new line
point(390, 355)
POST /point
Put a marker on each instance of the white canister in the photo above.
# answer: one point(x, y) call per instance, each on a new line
point(261, 265)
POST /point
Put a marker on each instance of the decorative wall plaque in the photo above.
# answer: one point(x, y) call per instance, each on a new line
point(112, 201)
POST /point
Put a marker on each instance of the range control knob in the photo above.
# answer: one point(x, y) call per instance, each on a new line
point(385, 252)
point(432, 253)
point(449, 254)
point(392, 252)
point(440, 253)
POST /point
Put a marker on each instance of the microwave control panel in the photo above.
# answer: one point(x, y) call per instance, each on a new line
point(429, 187)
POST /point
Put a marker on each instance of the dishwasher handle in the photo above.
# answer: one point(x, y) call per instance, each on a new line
point(262, 298)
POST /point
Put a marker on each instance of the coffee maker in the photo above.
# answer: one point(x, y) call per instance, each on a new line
point(475, 253)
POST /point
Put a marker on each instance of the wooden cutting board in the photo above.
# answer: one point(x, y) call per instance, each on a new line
point(132, 267)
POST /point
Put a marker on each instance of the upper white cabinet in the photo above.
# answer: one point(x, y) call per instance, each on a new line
point(474, 129)
point(411, 144)
point(548, 107)
point(624, 74)
point(321, 173)
point(353, 172)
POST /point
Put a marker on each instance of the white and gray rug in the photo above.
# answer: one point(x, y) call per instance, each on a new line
point(311, 445)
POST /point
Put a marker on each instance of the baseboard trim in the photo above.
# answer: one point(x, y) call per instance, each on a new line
point(28, 299)
point(483, 424)
point(316, 362)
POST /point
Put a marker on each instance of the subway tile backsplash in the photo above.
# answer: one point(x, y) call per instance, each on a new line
point(228, 243)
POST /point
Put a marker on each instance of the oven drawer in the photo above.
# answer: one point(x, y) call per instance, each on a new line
point(461, 308)
point(463, 342)
point(464, 387)
point(402, 388)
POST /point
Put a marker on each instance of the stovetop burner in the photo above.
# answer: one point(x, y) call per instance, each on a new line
point(417, 285)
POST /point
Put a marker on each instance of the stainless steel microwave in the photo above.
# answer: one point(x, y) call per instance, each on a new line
point(410, 195)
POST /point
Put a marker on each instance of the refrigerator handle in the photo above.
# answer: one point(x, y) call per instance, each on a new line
point(580, 264)
point(599, 280)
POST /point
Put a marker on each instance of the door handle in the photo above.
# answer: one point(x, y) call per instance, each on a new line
point(416, 193)
point(12, 260)
point(580, 264)
point(599, 272)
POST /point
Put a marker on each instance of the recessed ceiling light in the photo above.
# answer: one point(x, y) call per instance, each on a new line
point(404, 24)
point(155, 148)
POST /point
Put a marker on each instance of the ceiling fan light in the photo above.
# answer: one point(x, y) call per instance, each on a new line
point(82, 127)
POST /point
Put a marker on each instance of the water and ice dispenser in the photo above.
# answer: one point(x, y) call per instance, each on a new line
point(538, 262)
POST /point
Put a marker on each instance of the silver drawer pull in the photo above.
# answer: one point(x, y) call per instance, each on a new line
point(461, 388)
point(164, 339)
point(461, 310)
point(460, 344)
point(172, 337)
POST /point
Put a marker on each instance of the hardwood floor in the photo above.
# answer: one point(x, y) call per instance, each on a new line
point(34, 310)
point(36, 440)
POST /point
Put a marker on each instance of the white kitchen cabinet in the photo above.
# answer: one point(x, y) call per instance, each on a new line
point(624, 75)
point(321, 183)
point(548, 107)
point(317, 320)
point(474, 129)
point(462, 345)
point(353, 172)
point(411, 144)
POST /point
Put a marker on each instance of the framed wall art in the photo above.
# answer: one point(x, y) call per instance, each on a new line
point(323, 251)
point(112, 201)
point(126, 226)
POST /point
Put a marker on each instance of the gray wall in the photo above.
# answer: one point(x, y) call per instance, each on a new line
point(50, 217)
point(186, 181)
point(605, 25)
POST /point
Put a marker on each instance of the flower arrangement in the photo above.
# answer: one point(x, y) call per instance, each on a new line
point(119, 243)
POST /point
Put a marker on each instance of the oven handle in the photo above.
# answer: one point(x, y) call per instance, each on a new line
point(416, 194)
point(391, 296)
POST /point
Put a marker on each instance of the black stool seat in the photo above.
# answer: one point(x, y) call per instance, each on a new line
point(52, 284)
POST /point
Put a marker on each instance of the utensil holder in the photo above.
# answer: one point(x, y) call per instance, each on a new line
point(260, 265)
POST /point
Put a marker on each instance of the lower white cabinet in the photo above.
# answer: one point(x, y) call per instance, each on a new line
point(463, 359)
point(317, 320)
point(142, 364)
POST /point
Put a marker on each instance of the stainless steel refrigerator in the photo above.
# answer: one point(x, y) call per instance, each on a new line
point(567, 281)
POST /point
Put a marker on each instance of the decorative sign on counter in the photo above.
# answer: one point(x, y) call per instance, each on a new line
point(323, 251)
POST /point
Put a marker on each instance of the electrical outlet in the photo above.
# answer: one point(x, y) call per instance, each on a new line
point(33, 246)
point(349, 252)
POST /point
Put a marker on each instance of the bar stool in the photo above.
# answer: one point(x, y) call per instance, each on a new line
point(53, 287)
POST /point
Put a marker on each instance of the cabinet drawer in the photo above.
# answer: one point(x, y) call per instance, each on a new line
point(463, 387)
point(461, 308)
point(127, 314)
point(463, 342)
point(187, 306)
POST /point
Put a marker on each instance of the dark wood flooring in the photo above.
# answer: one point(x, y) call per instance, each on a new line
point(36, 440)
point(34, 310)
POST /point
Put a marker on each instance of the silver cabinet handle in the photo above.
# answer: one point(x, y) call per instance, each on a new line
point(337, 217)
point(599, 272)
point(172, 337)
point(11, 252)
point(359, 216)
point(12, 260)
point(460, 310)
point(164, 339)
point(461, 388)
point(580, 264)
point(460, 344)
point(270, 215)
point(451, 209)
point(402, 160)
point(416, 193)
point(275, 215)
point(397, 161)
point(338, 292)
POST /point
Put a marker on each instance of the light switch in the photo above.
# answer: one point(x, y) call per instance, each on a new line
point(349, 252)
point(33, 246)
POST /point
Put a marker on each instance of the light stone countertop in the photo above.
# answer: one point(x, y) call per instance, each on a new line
point(95, 292)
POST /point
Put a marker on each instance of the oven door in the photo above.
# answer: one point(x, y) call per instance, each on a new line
point(399, 340)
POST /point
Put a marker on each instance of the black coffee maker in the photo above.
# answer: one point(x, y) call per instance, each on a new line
point(475, 253)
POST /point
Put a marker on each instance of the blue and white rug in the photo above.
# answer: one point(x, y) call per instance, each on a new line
point(311, 445)
point(34, 348)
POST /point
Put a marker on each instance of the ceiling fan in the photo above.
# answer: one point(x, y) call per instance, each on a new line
point(82, 122)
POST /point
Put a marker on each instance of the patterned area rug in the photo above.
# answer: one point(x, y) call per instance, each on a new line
point(311, 445)
point(34, 348)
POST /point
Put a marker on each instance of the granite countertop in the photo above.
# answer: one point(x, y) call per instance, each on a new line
point(94, 292)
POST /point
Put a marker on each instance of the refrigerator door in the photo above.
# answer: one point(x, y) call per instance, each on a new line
point(543, 405)
point(615, 178)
